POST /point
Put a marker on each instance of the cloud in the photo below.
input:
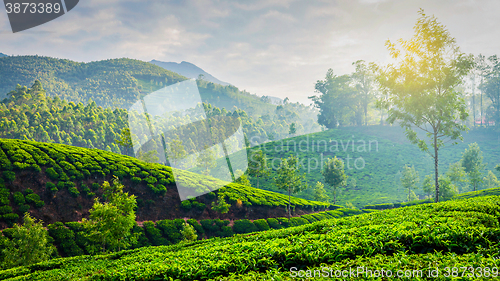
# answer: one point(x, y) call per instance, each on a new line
point(268, 47)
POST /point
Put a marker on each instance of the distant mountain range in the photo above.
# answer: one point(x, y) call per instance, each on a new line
point(3, 55)
point(188, 70)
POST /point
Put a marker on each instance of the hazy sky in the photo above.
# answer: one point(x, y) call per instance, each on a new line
point(268, 47)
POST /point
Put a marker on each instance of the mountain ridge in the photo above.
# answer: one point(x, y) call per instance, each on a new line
point(188, 70)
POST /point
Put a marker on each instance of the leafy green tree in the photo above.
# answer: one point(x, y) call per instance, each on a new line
point(293, 129)
point(409, 180)
point(257, 166)
point(428, 185)
point(109, 224)
point(221, 206)
point(241, 178)
point(420, 87)
point(472, 161)
point(288, 178)
point(176, 151)
point(188, 233)
point(456, 173)
point(491, 181)
point(334, 175)
point(491, 87)
point(335, 99)
point(125, 141)
point(497, 167)
point(448, 189)
point(206, 160)
point(319, 193)
point(363, 78)
point(29, 244)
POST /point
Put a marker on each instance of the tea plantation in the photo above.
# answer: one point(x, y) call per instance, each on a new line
point(451, 239)
point(57, 182)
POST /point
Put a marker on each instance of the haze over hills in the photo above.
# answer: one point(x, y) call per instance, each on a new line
point(189, 70)
point(3, 55)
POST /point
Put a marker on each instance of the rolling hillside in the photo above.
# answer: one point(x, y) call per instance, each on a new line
point(58, 182)
point(376, 156)
point(414, 243)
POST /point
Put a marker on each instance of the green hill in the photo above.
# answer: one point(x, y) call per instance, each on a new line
point(114, 83)
point(416, 243)
point(58, 182)
point(376, 155)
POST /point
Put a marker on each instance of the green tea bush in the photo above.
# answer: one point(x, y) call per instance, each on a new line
point(170, 230)
point(10, 219)
point(298, 221)
point(153, 234)
point(197, 227)
point(142, 240)
point(52, 174)
point(380, 206)
point(5, 210)
point(64, 239)
point(24, 208)
point(261, 224)
point(51, 187)
point(244, 226)
point(273, 223)
point(186, 205)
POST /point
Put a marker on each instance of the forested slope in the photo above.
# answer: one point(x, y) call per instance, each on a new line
point(57, 182)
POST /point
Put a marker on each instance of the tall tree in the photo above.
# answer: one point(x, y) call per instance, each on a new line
point(491, 87)
point(421, 87)
point(288, 178)
point(363, 79)
point(257, 166)
point(456, 173)
point(335, 99)
point(409, 180)
point(319, 193)
point(472, 161)
point(29, 244)
point(491, 181)
point(109, 223)
point(334, 175)
point(206, 160)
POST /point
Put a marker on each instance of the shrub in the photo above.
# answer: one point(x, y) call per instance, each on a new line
point(284, 222)
point(32, 198)
point(74, 191)
point(95, 186)
point(244, 226)
point(24, 208)
point(159, 189)
point(51, 187)
point(186, 205)
point(151, 180)
point(52, 174)
point(5, 209)
point(18, 198)
point(143, 174)
point(298, 221)
point(170, 230)
point(28, 191)
point(188, 233)
point(10, 219)
point(64, 239)
point(199, 206)
point(9, 176)
point(154, 234)
point(136, 180)
point(273, 223)
point(142, 240)
point(197, 227)
point(261, 224)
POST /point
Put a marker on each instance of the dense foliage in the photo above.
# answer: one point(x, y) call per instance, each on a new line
point(78, 172)
point(448, 234)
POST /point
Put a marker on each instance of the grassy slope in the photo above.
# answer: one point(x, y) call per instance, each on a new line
point(379, 181)
point(448, 234)
point(78, 168)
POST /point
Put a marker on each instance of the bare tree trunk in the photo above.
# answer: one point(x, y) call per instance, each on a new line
point(289, 204)
point(436, 166)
